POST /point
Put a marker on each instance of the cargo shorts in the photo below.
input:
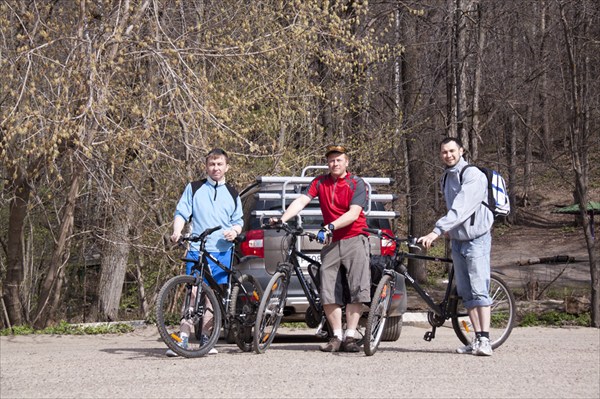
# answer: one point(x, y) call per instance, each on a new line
point(346, 259)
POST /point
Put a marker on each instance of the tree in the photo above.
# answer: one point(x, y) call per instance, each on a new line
point(578, 30)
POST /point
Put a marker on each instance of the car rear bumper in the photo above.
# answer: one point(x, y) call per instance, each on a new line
point(297, 304)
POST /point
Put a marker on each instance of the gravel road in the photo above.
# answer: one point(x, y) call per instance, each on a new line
point(535, 362)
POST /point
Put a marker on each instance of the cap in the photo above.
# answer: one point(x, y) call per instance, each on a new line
point(335, 148)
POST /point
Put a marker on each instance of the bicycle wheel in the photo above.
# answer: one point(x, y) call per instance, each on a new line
point(503, 314)
point(270, 311)
point(245, 300)
point(176, 313)
point(380, 305)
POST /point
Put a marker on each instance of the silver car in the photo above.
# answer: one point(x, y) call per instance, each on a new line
point(263, 248)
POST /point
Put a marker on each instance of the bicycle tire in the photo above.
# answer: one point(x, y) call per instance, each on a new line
point(503, 314)
point(173, 310)
point(243, 310)
point(270, 311)
point(380, 306)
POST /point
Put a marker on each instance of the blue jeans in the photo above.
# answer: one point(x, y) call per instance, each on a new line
point(472, 270)
point(219, 274)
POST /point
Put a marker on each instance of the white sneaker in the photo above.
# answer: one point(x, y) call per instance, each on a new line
point(213, 350)
point(467, 349)
point(183, 344)
point(484, 348)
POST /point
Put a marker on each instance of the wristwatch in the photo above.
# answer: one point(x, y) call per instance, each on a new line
point(331, 227)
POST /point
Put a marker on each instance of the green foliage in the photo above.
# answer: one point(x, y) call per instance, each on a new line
point(554, 318)
point(64, 328)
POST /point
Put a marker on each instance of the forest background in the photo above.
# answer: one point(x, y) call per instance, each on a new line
point(107, 109)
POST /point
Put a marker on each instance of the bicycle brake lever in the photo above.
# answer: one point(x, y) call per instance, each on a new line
point(412, 243)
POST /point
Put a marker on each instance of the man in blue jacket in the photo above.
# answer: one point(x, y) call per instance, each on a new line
point(468, 224)
point(212, 203)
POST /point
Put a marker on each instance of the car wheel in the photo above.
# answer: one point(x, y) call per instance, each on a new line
point(392, 329)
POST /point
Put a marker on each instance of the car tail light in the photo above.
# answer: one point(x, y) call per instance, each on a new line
point(387, 246)
point(254, 243)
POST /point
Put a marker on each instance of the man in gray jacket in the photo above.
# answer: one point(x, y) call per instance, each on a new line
point(468, 224)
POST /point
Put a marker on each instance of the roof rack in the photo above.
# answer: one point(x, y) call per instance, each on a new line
point(289, 193)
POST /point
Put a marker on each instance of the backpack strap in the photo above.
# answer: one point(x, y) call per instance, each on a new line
point(199, 183)
point(462, 172)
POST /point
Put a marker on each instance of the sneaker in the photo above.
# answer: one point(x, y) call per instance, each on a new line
point(213, 350)
point(484, 348)
point(467, 349)
point(183, 344)
point(350, 345)
point(332, 346)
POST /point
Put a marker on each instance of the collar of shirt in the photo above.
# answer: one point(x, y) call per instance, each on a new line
point(214, 183)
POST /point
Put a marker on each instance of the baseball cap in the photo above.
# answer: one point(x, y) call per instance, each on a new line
point(335, 148)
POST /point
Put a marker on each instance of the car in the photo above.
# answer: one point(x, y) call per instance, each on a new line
point(262, 249)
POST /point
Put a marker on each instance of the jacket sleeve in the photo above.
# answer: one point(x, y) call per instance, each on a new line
point(237, 217)
point(184, 206)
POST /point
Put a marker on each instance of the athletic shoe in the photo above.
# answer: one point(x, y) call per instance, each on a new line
point(484, 348)
point(183, 344)
point(350, 345)
point(467, 349)
point(332, 346)
point(213, 350)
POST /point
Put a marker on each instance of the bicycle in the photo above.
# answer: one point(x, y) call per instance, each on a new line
point(187, 300)
point(272, 305)
point(503, 309)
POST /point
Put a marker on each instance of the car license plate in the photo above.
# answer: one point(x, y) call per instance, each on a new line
point(304, 263)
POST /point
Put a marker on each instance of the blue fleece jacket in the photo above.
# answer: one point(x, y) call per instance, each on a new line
point(467, 217)
point(211, 206)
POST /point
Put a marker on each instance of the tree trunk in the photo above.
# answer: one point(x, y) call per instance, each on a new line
point(476, 119)
point(417, 189)
point(14, 255)
point(141, 289)
point(451, 70)
point(578, 80)
point(49, 298)
point(115, 256)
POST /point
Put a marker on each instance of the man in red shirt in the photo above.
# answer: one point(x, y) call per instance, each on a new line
point(342, 198)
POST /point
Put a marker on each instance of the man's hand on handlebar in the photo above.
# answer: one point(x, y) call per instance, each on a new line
point(324, 236)
point(427, 241)
point(230, 234)
point(275, 221)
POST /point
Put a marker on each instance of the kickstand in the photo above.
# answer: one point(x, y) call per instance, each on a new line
point(429, 335)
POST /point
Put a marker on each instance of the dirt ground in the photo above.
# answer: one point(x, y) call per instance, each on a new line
point(517, 252)
point(534, 363)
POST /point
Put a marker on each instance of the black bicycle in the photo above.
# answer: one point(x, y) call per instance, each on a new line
point(272, 305)
point(196, 303)
point(503, 309)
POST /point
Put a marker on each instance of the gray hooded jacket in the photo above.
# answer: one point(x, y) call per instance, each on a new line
point(467, 217)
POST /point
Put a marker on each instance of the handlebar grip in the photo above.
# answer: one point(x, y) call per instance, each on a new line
point(211, 230)
point(240, 238)
point(373, 231)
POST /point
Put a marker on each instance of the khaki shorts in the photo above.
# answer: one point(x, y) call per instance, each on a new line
point(353, 254)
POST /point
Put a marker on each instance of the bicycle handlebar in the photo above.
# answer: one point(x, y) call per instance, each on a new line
point(299, 231)
point(410, 241)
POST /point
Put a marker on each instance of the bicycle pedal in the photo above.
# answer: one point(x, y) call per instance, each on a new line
point(429, 335)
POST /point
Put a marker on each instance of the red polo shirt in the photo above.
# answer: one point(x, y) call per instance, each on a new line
point(335, 198)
